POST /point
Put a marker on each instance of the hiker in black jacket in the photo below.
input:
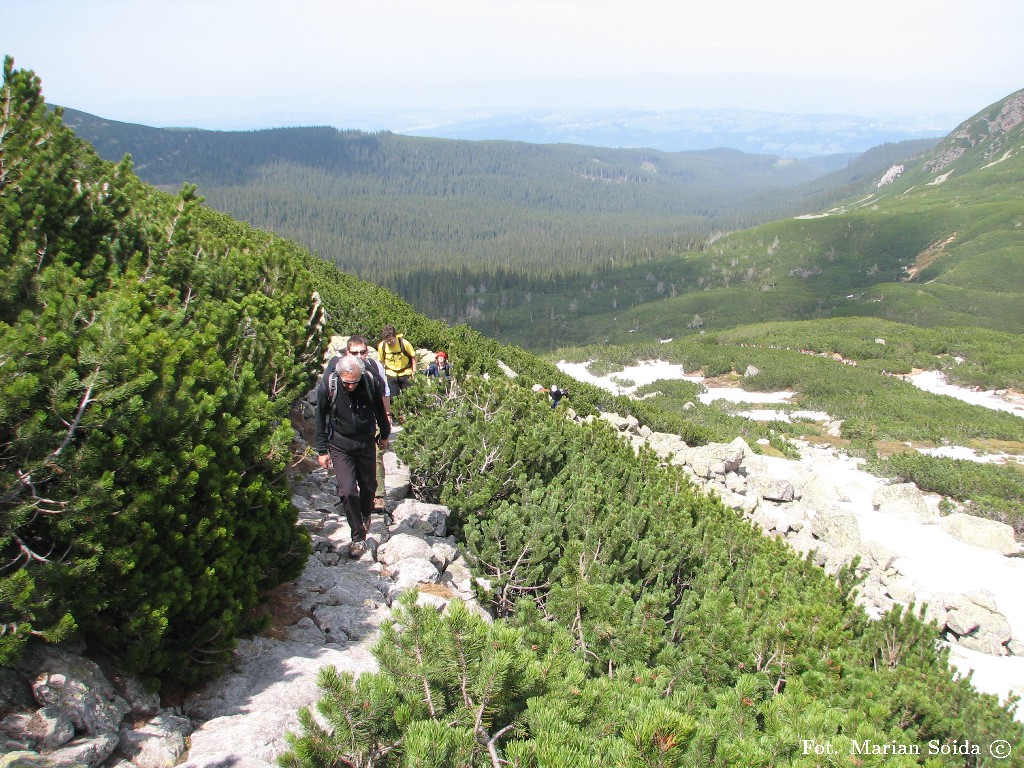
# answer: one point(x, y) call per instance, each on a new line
point(360, 347)
point(349, 412)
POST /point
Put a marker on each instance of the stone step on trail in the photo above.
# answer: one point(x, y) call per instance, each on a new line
point(330, 615)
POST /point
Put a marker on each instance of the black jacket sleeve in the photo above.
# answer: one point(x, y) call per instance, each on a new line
point(379, 412)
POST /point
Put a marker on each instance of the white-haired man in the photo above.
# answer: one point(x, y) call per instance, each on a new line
point(349, 414)
point(360, 347)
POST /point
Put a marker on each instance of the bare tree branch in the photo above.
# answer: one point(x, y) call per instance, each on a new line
point(86, 400)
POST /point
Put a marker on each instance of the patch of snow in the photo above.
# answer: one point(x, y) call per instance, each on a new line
point(1009, 153)
point(740, 395)
point(645, 372)
point(649, 371)
point(924, 553)
point(1000, 675)
point(930, 557)
point(935, 382)
point(969, 454)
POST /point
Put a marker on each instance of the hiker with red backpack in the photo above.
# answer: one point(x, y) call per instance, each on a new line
point(349, 413)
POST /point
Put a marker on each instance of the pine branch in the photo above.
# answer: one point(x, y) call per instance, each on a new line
point(87, 398)
point(426, 683)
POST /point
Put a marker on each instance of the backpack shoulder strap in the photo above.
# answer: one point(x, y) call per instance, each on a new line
point(408, 349)
point(378, 376)
point(372, 384)
point(331, 375)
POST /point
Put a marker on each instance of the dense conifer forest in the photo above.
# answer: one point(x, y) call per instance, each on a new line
point(464, 230)
point(151, 349)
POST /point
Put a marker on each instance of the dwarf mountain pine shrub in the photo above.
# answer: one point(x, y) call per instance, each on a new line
point(149, 359)
point(693, 639)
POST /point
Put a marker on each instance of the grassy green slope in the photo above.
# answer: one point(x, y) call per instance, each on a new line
point(883, 417)
point(941, 246)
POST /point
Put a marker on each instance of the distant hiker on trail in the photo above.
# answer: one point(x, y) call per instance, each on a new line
point(440, 370)
point(556, 393)
point(349, 412)
point(359, 347)
point(399, 359)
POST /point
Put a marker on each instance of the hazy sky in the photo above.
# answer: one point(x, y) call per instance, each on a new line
point(377, 63)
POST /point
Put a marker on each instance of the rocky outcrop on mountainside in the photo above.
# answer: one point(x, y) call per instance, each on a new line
point(1010, 116)
point(813, 514)
point(981, 130)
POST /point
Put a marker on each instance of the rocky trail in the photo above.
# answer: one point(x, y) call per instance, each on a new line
point(329, 616)
point(70, 712)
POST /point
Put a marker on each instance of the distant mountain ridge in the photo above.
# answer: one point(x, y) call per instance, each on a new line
point(553, 245)
point(756, 132)
point(168, 156)
point(436, 219)
point(937, 240)
point(753, 112)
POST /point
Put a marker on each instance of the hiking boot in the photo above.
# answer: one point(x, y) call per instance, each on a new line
point(356, 549)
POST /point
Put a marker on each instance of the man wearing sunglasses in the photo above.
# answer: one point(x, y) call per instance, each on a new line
point(349, 413)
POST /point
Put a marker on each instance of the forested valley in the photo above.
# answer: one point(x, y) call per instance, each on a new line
point(475, 231)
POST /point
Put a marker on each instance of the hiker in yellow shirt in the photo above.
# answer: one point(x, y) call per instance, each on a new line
point(399, 360)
